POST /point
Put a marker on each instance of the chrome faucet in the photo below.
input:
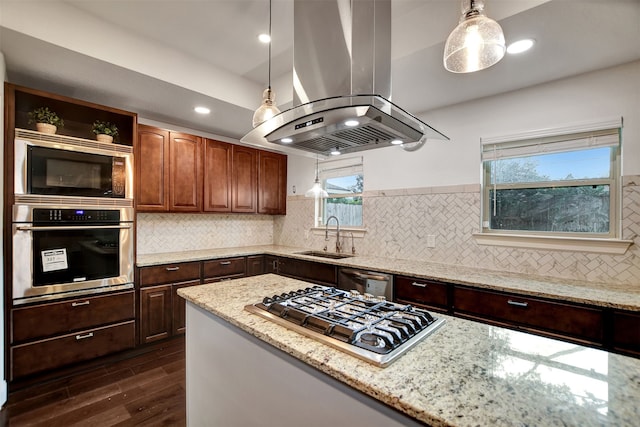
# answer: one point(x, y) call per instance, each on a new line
point(326, 233)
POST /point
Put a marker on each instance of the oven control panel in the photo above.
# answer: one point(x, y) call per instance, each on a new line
point(75, 215)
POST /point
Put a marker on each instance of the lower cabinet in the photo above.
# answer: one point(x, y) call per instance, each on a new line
point(223, 269)
point(58, 334)
point(162, 310)
point(255, 265)
point(427, 293)
point(552, 318)
point(315, 272)
point(626, 332)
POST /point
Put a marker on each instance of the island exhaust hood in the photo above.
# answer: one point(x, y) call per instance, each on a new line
point(342, 83)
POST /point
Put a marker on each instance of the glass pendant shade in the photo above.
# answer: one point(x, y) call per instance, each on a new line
point(476, 43)
point(317, 191)
point(268, 108)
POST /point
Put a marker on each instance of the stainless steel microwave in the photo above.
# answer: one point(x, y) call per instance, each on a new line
point(60, 166)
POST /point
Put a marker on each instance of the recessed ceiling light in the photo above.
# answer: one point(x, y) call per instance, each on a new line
point(351, 123)
point(520, 46)
point(264, 38)
point(202, 110)
point(286, 140)
point(396, 142)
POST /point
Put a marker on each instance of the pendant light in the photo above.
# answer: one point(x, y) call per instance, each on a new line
point(268, 108)
point(476, 43)
point(317, 191)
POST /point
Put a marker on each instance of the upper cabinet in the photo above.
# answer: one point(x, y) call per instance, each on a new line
point(244, 179)
point(152, 169)
point(168, 171)
point(185, 172)
point(272, 183)
point(178, 172)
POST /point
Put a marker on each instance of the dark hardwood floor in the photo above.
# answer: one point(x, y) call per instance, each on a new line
point(145, 390)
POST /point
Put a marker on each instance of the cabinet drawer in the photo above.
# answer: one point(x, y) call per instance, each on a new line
point(626, 331)
point(169, 273)
point(421, 291)
point(511, 309)
point(50, 319)
point(222, 268)
point(72, 348)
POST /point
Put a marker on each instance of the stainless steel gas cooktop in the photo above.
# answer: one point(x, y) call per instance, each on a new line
point(364, 326)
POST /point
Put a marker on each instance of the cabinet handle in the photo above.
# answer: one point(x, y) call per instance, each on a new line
point(172, 268)
point(78, 304)
point(517, 303)
point(81, 337)
point(419, 285)
point(225, 262)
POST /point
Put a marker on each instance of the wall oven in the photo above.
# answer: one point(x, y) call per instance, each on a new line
point(48, 167)
point(65, 251)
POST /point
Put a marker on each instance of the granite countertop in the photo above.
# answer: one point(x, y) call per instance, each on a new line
point(465, 374)
point(598, 294)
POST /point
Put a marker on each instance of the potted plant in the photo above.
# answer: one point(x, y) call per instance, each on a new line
point(105, 131)
point(46, 120)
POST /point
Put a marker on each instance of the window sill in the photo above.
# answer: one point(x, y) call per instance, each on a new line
point(557, 243)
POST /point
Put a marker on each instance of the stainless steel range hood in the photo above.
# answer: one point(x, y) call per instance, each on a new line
point(342, 83)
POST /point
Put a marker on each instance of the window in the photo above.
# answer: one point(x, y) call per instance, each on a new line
point(564, 185)
point(343, 179)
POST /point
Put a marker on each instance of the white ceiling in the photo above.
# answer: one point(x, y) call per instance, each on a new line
point(161, 58)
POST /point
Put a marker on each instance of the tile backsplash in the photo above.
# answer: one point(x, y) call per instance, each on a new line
point(398, 224)
point(158, 233)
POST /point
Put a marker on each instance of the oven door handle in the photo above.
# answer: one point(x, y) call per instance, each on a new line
point(80, 227)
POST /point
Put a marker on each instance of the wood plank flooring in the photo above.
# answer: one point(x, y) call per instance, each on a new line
point(146, 390)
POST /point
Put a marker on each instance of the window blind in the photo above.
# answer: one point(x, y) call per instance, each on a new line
point(341, 167)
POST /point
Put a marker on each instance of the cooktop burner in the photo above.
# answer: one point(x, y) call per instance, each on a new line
point(365, 326)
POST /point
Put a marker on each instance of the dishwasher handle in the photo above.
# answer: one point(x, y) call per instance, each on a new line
point(363, 275)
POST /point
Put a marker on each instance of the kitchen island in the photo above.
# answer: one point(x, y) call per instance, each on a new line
point(245, 370)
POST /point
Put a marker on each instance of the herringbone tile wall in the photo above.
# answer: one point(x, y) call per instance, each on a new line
point(158, 233)
point(398, 222)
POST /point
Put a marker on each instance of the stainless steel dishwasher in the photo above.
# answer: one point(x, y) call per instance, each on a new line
point(370, 282)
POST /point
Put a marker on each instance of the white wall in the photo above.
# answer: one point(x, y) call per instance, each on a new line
point(613, 92)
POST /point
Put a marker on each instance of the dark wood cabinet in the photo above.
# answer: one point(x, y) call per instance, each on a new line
point(315, 272)
point(272, 183)
point(244, 179)
point(626, 332)
point(217, 176)
point(223, 269)
point(185, 172)
point(151, 154)
point(168, 171)
point(557, 319)
point(430, 294)
point(255, 265)
point(162, 310)
point(57, 334)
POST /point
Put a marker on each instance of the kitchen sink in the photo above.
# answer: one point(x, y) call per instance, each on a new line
point(322, 254)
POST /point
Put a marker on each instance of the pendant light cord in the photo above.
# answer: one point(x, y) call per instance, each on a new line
point(270, 41)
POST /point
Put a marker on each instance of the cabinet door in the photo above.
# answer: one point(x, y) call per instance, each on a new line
point(185, 172)
point(179, 308)
point(244, 180)
point(272, 183)
point(626, 331)
point(315, 272)
point(217, 176)
point(152, 169)
point(155, 313)
point(255, 265)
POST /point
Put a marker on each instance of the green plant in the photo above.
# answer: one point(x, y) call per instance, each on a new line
point(105, 128)
point(44, 115)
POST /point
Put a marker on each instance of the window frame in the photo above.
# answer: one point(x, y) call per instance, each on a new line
point(611, 243)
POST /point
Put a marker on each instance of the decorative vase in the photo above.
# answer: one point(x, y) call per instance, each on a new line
point(46, 128)
point(104, 138)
